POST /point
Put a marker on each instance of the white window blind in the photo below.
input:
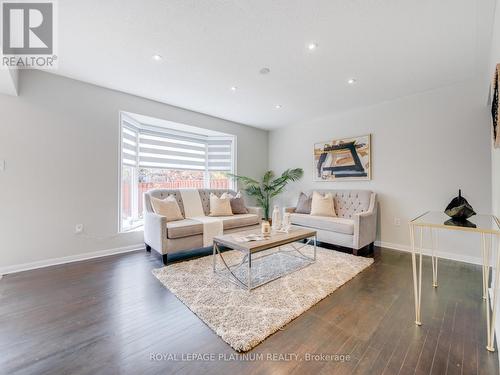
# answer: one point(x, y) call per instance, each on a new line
point(130, 137)
point(220, 154)
point(163, 150)
point(175, 150)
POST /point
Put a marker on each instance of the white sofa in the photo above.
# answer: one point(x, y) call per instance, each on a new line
point(355, 225)
point(184, 235)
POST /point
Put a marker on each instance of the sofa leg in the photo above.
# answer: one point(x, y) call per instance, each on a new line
point(148, 248)
point(164, 258)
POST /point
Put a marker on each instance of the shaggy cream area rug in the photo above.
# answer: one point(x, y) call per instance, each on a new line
point(244, 318)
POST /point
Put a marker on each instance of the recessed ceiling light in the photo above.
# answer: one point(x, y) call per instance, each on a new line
point(312, 46)
point(157, 57)
point(265, 71)
point(234, 88)
point(277, 106)
point(351, 81)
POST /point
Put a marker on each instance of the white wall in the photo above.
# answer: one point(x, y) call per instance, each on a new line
point(424, 147)
point(495, 153)
point(60, 141)
point(8, 81)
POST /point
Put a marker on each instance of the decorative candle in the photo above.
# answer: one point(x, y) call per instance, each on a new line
point(266, 228)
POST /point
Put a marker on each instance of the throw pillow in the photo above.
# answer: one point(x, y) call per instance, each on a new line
point(167, 207)
point(237, 204)
point(322, 205)
point(220, 206)
point(303, 204)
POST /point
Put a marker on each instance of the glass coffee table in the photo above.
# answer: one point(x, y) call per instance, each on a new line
point(488, 227)
point(256, 270)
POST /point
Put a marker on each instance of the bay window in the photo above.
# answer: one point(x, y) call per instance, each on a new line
point(154, 157)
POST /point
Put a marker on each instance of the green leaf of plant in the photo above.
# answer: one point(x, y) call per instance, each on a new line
point(254, 191)
point(264, 191)
point(267, 177)
point(278, 191)
point(287, 176)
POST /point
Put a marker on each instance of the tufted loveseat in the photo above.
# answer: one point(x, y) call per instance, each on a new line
point(355, 225)
point(184, 235)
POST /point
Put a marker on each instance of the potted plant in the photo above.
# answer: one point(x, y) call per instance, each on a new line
point(263, 191)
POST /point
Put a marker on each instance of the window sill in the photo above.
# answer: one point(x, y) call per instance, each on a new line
point(139, 228)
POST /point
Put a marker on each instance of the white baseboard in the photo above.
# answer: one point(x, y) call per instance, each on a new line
point(439, 253)
point(69, 259)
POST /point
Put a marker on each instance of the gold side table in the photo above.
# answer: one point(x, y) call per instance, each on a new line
point(488, 227)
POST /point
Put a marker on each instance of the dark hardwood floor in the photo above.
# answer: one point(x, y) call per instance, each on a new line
point(109, 315)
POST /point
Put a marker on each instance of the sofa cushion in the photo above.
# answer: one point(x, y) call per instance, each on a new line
point(303, 204)
point(184, 228)
point(162, 194)
point(238, 221)
point(220, 206)
point(205, 197)
point(189, 227)
point(322, 205)
point(167, 207)
point(332, 224)
point(238, 204)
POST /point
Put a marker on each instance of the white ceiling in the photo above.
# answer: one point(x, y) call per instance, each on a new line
point(393, 47)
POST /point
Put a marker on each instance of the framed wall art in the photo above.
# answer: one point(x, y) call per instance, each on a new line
point(343, 159)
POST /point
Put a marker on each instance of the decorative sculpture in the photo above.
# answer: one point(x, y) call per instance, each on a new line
point(459, 209)
point(460, 223)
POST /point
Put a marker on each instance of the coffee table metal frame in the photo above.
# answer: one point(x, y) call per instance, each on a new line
point(249, 257)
